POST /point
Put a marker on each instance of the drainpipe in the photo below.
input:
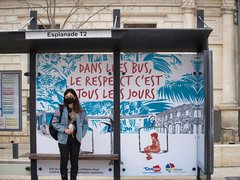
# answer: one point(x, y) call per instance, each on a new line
point(238, 29)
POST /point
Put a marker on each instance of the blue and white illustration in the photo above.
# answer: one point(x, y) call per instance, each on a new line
point(162, 98)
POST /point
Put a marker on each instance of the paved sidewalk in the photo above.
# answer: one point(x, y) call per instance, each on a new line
point(228, 173)
point(6, 154)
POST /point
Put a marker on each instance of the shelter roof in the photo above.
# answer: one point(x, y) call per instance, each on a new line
point(105, 40)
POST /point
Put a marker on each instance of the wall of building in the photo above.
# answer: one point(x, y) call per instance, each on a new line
point(219, 16)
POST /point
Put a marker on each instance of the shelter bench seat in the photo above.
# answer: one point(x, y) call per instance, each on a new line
point(82, 156)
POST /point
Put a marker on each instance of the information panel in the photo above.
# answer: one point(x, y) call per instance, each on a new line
point(10, 100)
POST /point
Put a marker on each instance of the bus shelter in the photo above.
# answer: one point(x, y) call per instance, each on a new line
point(160, 86)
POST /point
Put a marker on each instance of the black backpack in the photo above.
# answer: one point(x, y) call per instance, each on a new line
point(53, 132)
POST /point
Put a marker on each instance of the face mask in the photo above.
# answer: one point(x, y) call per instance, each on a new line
point(69, 100)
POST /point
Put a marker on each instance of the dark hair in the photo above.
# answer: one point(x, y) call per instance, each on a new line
point(76, 104)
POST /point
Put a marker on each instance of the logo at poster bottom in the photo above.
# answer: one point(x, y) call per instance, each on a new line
point(169, 167)
point(154, 169)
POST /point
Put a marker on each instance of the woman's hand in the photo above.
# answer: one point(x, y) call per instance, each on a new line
point(68, 131)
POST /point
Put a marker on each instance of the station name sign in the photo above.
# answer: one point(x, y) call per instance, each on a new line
point(57, 34)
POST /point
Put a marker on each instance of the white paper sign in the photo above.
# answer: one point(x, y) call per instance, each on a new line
point(54, 34)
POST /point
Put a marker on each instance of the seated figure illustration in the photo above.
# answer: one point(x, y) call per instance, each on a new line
point(154, 147)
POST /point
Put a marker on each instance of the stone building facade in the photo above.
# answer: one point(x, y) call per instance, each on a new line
point(220, 15)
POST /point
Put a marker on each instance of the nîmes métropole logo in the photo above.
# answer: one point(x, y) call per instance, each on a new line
point(169, 167)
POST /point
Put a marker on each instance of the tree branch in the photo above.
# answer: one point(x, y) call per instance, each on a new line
point(34, 4)
point(105, 7)
point(50, 9)
point(54, 12)
point(41, 22)
point(72, 11)
point(48, 16)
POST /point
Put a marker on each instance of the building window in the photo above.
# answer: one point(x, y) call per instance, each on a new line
point(48, 26)
point(139, 25)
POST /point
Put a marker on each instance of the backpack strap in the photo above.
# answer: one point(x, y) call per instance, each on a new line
point(61, 111)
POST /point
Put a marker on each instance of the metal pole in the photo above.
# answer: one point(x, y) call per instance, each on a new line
point(116, 103)
point(33, 145)
point(116, 121)
point(33, 22)
point(208, 104)
point(116, 18)
point(200, 19)
point(15, 150)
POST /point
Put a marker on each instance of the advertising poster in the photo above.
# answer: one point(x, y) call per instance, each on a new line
point(161, 110)
point(10, 109)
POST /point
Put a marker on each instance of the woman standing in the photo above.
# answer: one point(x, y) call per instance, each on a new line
point(72, 127)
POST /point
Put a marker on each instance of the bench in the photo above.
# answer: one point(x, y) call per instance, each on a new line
point(82, 156)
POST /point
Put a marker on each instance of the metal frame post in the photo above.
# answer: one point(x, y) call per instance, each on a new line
point(116, 121)
point(33, 21)
point(33, 139)
point(116, 18)
point(205, 167)
point(200, 19)
point(200, 24)
point(208, 107)
point(116, 103)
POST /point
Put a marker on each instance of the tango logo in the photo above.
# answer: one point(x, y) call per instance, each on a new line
point(156, 168)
